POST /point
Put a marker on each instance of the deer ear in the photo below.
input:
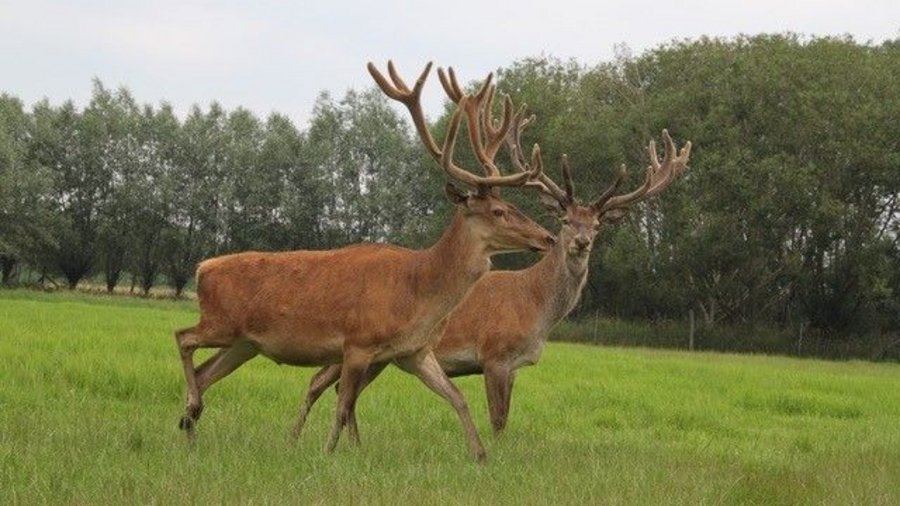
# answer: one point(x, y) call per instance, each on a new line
point(455, 195)
point(614, 216)
point(552, 205)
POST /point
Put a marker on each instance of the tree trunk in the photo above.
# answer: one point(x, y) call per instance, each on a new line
point(113, 262)
point(146, 283)
point(111, 281)
point(7, 266)
point(178, 283)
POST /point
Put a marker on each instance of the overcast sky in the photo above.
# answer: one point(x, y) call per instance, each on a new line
point(277, 56)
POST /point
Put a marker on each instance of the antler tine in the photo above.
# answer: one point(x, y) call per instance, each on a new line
point(613, 188)
point(620, 201)
point(471, 106)
point(410, 98)
point(673, 164)
point(476, 109)
point(513, 138)
point(398, 90)
point(659, 176)
point(479, 117)
point(467, 177)
point(495, 133)
point(554, 189)
point(450, 85)
point(398, 81)
point(665, 168)
point(486, 88)
point(541, 183)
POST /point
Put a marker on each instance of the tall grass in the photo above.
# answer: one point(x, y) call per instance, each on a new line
point(91, 389)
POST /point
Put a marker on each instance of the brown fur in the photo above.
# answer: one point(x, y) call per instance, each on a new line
point(355, 305)
point(503, 323)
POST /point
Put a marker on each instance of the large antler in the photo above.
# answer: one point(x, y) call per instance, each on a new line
point(658, 176)
point(476, 110)
point(411, 98)
point(479, 116)
point(542, 183)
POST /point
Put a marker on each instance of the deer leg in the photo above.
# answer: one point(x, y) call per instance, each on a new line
point(190, 421)
point(223, 363)
point(352, 371)
point(188, 340)
point(496, 379)
point(210, 361)
point(372, 372)
point(426, 367)
point(324, 378)
point(507, 399)
point(185, 339)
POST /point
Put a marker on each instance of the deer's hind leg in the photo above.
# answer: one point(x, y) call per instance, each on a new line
point(498, 385)
point(353, 370)
point(320, 382)
point(371, 373)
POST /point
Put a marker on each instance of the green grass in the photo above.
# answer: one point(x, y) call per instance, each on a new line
point(91, 390)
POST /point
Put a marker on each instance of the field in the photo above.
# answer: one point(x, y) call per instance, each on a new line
point(91, 390)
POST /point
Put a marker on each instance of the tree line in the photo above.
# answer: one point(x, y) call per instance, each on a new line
point(118, 187)
point(788, 215)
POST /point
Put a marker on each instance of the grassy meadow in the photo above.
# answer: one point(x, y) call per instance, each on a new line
point(91, 389)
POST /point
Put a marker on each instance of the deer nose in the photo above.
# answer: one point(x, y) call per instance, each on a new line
point(582, 242)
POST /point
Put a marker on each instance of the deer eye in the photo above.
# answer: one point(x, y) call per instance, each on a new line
point(499, 213)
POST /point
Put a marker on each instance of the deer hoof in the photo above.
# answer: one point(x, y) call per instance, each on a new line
point(186, 423)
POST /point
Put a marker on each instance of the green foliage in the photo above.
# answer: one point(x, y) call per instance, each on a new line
point(372, 170)
point(26, 221)
point(789, 211)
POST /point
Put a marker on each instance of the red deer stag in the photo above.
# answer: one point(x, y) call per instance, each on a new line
point(365, 303)
point(503, 323)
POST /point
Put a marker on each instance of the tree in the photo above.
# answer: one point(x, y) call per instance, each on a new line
point(198, 177)
point(149, 191)
point(57, 146)
point(26, 222)
point(118, 113)
point(296, 222)
point(370, 170)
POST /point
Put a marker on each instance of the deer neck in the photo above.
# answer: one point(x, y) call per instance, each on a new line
point(454, 263)
point(556, 282)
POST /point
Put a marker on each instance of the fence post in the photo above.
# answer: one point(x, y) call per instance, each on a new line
point(691, 337)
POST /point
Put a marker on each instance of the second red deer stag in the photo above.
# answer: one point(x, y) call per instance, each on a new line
point(366, 303)
point(503, 323)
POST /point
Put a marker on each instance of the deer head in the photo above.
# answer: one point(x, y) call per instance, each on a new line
point(498, 224)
